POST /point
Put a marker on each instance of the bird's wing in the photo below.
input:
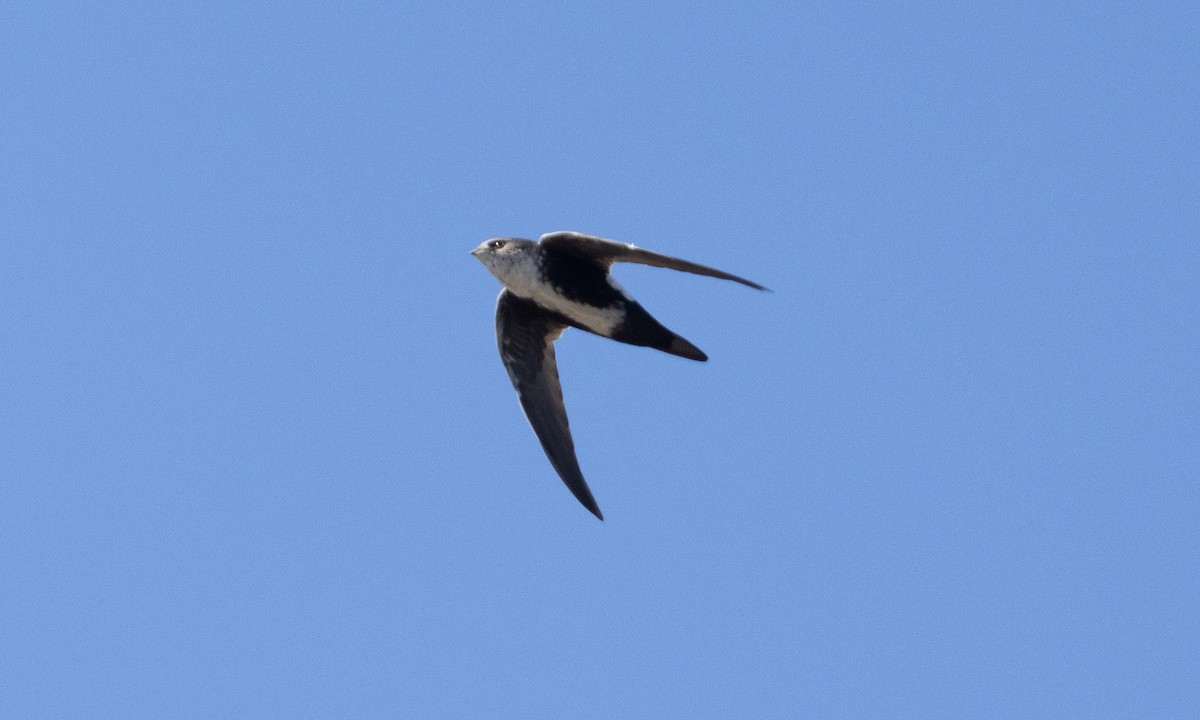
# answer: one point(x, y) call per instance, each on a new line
point(526, 335)
point(606, 252)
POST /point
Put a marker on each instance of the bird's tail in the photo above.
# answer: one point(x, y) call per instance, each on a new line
point(640, 328)
point(681, 347)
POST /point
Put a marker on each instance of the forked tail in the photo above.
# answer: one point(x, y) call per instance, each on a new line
point(640, 328)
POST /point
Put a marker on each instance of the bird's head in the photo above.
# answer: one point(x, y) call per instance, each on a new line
point(507, 258)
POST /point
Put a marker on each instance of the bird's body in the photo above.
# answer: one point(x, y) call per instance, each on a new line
point(582, 293)
point(562, 281)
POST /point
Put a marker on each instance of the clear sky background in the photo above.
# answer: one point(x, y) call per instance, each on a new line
point(259, 457)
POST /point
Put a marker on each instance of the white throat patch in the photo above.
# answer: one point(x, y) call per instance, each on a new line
point(522, 275)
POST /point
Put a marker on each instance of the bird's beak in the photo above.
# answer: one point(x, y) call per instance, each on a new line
point(477, 250)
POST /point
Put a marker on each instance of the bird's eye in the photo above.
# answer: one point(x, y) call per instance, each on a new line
point(497, 244)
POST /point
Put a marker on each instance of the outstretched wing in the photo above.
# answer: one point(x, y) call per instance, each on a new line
point(526, 335)
point(606, 252)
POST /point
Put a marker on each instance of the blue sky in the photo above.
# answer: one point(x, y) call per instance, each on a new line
point(259, 457)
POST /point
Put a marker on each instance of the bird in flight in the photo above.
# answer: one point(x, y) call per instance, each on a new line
point(563, 281)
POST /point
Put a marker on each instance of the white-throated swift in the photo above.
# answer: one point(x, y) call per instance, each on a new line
point(563, 281)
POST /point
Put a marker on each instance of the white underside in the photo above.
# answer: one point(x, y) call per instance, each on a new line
point(525, 280)
point(602, 321)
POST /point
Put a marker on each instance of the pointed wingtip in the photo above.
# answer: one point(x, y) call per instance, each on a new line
point(583, 494)
point(593, 508)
